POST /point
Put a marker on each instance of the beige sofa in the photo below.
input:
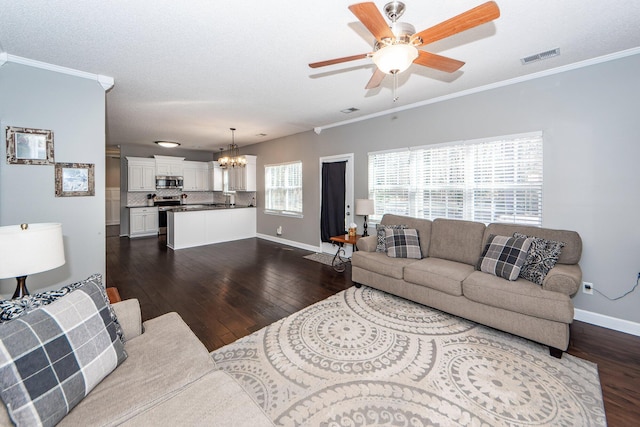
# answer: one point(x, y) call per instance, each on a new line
point(168, 378)
point(446, 278)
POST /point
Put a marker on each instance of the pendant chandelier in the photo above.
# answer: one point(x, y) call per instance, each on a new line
point(231, 158)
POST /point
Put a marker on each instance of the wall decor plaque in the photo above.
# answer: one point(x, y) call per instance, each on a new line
point(75, 179)
point(27, 146)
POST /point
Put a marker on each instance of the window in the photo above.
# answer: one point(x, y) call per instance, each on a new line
point(489, 180)
point(283, 188)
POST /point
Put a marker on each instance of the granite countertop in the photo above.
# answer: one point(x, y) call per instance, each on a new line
point(206, 207)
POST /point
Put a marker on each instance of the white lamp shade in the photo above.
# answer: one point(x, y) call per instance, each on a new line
point(365, 207)
point(395, 58)
point(23, 252)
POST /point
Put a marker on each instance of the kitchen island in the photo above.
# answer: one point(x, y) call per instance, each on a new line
point(199, 225)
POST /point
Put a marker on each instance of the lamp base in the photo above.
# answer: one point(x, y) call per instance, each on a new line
point(21, 287)
point(364, 232)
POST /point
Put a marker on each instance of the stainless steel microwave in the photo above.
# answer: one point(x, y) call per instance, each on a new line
point(169, 182)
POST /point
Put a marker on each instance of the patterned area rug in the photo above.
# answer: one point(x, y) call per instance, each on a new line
point(321, 258)
point(367, 358)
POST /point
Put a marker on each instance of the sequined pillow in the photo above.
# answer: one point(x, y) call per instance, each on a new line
point(542, 257)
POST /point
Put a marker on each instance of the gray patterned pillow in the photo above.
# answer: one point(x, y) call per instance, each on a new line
point(53, 356)
point(11, 309)
point(504, 256)
point(380, 230)
point(403, 243)
point(542, 257)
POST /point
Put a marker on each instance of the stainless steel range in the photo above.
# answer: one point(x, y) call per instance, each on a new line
point(164, 203)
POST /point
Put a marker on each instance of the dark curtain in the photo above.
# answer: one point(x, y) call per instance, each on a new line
point(333, 195)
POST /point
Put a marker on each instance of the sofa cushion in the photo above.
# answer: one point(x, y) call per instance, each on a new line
point(53, 356)
point(381, 232)
point(403, 243)
point(422, 225)
point(440, 274)
point(164, 359)
point(571, 251)
point(456, 240)
point(504, 256)
point(216, 399)
point(542, 257)
point(520, 297)
point(380, 263)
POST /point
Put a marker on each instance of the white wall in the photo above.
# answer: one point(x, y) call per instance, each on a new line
point(74, 109)
point(589, 118)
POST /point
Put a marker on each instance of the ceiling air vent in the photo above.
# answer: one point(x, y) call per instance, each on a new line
point(540, 56)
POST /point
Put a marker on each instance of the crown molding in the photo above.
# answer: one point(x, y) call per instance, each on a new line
point(105, 81)
point(533, 76)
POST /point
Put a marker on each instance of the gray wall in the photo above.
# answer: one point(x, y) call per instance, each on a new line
point(591, 182)
point(74, 109)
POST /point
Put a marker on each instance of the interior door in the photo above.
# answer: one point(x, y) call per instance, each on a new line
point(348, 211)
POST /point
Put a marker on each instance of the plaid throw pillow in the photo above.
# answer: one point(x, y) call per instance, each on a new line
point(381, 231)
point(542, 257)
point(403, 243)
point(504, 256)
point(53, 356)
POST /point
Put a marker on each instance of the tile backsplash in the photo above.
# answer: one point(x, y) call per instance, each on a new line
point(243, 198)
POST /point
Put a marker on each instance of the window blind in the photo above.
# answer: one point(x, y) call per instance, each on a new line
point(489, 180)
point(283, 188)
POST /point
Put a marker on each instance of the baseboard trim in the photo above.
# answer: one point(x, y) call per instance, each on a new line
point(608, 322)
point(289, 243)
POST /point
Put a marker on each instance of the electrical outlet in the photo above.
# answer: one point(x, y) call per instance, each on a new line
point(587, 288)
point(279, 230)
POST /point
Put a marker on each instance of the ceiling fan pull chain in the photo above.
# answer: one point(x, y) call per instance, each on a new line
point(395, 86)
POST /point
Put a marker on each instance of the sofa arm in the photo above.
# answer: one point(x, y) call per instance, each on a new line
point(367, 243)
point(563, 278)
point(130, 317)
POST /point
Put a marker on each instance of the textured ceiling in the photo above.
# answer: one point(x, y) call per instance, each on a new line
point(188, 71)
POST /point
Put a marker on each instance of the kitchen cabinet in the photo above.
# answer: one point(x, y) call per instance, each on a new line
point(141, 174)
point(169, 166)
point(242, 178)
point(196, 176)
point(216, 177)
point(143, 221)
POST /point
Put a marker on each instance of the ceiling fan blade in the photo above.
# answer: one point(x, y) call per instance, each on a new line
point(471, 18)
point(375, 79)
point(438, 62)
point(371, 17)
point(338, 60)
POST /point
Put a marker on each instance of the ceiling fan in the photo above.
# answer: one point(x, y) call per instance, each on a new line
point(396, 45)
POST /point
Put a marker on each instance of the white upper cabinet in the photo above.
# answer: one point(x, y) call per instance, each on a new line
point(242, 178)
point(141, 174)
point(216, 180)
point(169, 166)
point(196, 176)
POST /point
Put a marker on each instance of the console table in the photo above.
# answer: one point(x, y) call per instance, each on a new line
point(340, 259)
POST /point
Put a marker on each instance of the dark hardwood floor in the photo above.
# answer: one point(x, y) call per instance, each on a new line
point(229, 290)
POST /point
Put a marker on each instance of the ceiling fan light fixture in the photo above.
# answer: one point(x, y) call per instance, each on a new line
point(168, 144)
point(395, 58)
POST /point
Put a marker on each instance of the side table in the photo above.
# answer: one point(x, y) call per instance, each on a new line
point(340, 259)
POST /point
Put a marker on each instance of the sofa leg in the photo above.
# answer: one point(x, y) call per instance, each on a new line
point(358, 285)
point(555, 352)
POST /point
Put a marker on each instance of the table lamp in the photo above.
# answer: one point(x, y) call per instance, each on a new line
point(28, 249)
point(365, 207)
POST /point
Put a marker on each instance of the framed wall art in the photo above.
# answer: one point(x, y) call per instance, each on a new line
point(27, 146)
point(75, 179)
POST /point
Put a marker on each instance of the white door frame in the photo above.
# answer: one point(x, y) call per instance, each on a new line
point(349, 198)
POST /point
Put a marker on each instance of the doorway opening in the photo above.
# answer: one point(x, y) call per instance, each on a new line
point(347, 212)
